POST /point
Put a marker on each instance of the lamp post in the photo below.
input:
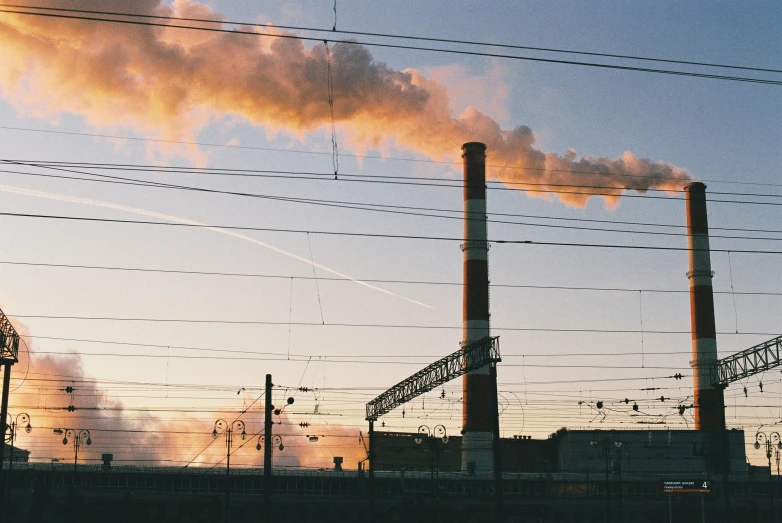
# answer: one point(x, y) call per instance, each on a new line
point(78, 435)
point(432, 437)
point(273, 441)
point(228, 429)
point(24, 419)
point(276, 442)
point(598, 441)
point(772, 442)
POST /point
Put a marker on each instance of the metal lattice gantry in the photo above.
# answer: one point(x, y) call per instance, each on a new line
point(746, 363)
point(470, 357)
point(9, 341)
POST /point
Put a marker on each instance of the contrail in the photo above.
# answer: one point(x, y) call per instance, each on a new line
point(176, 219)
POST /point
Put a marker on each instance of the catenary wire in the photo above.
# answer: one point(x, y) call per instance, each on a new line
point(373, 235)
point(301, 151)
point(371, 280)
point(403, 47)
point(399, 36)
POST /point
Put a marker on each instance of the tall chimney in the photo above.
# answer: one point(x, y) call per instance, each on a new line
point(477, 409)
point(709, 401)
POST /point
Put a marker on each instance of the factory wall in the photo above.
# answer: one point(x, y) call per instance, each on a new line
point(646, 453)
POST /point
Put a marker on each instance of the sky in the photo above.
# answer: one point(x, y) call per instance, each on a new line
point(347, 316)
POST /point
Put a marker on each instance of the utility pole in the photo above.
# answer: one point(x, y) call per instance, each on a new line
point(3, 417)
point(497, 454)
point(371, 492)
point(267, 451)
point(9, 354)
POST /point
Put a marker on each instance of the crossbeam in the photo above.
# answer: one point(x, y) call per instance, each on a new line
point(9, 341)
point(746, 363)
point(470, 357)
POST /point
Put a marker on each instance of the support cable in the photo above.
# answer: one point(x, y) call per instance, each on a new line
point(334, 146)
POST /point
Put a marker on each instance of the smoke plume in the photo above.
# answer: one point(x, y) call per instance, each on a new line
point(39, 388)
point(172, 82)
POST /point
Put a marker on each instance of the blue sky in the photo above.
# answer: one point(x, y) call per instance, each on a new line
point(725, 133)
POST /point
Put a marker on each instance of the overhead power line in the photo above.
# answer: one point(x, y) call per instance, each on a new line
point(370, 235)
point(338, 356)
point(338, 361)
point(368, 178)
point(321, 153)
point(404, 37)
point(371, 280)
point(592, 190)
point(361, 325)
point(60, 15)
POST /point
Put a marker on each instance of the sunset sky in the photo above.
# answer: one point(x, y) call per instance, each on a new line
point(349, 315)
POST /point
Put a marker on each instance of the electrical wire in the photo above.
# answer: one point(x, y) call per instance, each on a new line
point(301, 151)
point(397, 36)
point(361, 325)
point(693, 74)
point(369, 235)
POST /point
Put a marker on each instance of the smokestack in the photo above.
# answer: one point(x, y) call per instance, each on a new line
point(477, 409)
point(709, 401)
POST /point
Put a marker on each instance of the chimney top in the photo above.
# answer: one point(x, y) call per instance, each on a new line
point(695, 186)
point(471, 148)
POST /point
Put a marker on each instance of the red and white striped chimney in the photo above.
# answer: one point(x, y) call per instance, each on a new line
point(709, 401)
point(477, 394)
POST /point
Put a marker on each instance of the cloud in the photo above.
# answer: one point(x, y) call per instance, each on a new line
point(173, 82)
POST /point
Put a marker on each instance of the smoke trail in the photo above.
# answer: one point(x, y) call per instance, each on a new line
point(138, 437)
point(172, 82)
point(176, 219)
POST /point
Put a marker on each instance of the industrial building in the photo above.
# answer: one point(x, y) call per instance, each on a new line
point(707, 452)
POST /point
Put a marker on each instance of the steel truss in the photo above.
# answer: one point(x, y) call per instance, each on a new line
point(746, 363)
point(470, 357)
point(9, 341)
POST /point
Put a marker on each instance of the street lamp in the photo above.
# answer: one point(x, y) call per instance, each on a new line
point(772, 442)
point(22, 418)
point(228, 429)
point(276, 442)
point(78, 435)
point(432, 437)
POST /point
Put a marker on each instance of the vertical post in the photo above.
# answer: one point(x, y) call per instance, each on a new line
point(11, 456)
point(619, 478)
point(227, 511)
point(770, 480)
point(3, 419)
point(608, 486)
point(703, 508)
point(267, 451)
point(496, 452)
point(371, 470)
point(75, 452)
point(432, 443)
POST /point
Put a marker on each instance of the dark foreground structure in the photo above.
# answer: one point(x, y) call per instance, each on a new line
point(42, 494)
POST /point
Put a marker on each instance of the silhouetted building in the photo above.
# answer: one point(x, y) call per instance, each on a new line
point(18, 455)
